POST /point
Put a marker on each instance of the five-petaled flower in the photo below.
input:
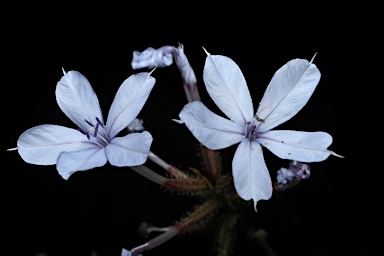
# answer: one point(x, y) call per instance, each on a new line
point(287, 93)
point(93, 143)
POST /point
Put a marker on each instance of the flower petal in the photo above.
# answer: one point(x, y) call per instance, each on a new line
point(77, 99)
point(228, 89)
point(71, 162)
point(184, 66)
point(130, 150)
point(287, 93)
point(125, 252)
point(211, 130)
point(296, 145)
point(128, 102)
point(42, 144)
point(250, 174)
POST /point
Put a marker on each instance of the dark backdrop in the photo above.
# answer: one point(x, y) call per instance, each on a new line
point(335, 212)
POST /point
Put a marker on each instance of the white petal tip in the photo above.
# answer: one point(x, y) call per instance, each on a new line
point(150, 73)
point(64, 175)
point(333, 153)
point(64, 71)
point(178, 121)
point(313, 58)
point(206, 52)
point(12, 149)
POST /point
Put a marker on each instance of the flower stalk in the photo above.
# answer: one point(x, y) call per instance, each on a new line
point(149, 174)
point(158, 240)
point(189, 223)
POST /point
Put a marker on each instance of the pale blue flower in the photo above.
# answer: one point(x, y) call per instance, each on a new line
point(93, 143)
point(287, 93)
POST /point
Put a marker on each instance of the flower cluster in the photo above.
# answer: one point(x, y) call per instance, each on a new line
point(94, 142)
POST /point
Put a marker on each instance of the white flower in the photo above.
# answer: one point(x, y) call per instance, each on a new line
point(287, 93)
point(93, 144)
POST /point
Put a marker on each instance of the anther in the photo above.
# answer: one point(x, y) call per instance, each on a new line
point(96, 129)
point(85, 133)
point(99, 122)
point(89, 122)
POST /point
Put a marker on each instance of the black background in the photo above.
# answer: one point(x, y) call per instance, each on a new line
point(335, 212)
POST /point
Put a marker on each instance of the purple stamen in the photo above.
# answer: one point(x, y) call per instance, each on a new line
point(84, 132)
point(251, 134)
point(96, 129)
point(88, 122)
point(81, 130)
point(99, 122)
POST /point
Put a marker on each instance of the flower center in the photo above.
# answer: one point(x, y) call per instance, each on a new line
point(94, 134)
point(251, 130)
